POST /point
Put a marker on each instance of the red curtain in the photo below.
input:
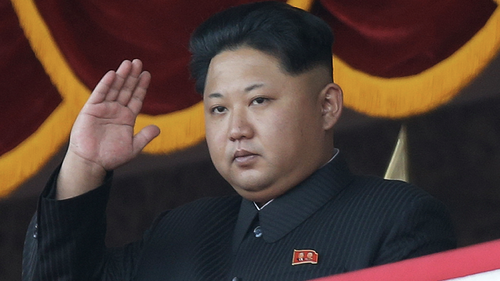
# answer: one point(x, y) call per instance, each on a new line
point(386, 38)
point(391, 38)
point(27, 97)
point(383, 38)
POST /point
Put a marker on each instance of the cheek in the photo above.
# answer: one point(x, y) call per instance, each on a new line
point(282, 133)
point(293, 132)
point(287, 124)
point(214, 141)
point(212, 136)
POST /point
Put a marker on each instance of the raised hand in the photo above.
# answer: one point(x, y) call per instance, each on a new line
point(102, 137)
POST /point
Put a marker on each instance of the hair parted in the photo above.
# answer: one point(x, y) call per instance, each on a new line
point(300, 40)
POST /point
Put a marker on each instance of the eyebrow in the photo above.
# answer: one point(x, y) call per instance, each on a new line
point(247, 89)
point(215, 95)
point(253, 87)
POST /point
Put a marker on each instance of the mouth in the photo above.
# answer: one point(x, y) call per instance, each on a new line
point(243, 156)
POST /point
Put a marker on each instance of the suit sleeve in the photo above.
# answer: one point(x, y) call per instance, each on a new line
point(422, 227)
point(65, 239)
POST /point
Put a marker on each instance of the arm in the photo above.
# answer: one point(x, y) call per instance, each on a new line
point(424, 227)
point(65, 240)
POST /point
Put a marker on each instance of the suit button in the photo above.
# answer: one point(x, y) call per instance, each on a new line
point(257, 231)
point(236, 279)
point(35, 233)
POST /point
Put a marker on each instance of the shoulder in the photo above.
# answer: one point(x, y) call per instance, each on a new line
point(406, 220)
point(377, 198)
point(381, 206)
point(370, 188)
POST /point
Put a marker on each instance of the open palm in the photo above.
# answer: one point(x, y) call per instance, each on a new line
point(103, 133)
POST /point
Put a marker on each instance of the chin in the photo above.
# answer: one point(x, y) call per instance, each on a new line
point(249, 181)
point(247, 188)
point(258, 197)
point(259, 194)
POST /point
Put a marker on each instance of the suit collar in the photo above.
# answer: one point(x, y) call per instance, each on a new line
point(288, 211)
point(246, 216)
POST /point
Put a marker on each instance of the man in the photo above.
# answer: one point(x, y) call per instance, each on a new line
point(265, 72)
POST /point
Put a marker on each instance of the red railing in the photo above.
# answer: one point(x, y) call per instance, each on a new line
point(466, 261)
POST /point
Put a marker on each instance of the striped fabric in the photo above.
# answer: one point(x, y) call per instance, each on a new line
point(351, 222)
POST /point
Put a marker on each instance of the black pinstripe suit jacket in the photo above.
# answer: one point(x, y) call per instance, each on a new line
point(352, 222)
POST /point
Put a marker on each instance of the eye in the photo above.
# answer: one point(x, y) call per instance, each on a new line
point(218, 109)
point(259, 100)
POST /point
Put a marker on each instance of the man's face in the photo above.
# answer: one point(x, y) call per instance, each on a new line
point(265, 129)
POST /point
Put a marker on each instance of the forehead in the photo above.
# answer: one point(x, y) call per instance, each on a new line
point(243, 68)
point(235, 71)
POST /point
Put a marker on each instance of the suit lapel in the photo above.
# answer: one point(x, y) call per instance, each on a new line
point(247, 214)
point(287, 212)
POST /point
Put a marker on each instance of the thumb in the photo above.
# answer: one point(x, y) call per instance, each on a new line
point(144, 136)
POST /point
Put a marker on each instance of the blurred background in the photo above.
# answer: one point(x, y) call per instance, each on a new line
point(431, 67)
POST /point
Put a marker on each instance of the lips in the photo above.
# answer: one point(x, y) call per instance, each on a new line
point(243, 156)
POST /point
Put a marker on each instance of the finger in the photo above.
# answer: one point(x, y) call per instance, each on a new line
point(137, 99)
point(130, 83)
point(145, 136)
point(102, 89)
point(122, 73)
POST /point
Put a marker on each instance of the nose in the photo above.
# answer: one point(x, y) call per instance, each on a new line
point(240, 126)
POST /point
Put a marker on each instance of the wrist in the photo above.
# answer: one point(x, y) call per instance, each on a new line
point(78, 176)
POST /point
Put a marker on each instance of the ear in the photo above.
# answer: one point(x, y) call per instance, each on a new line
point(331, 105)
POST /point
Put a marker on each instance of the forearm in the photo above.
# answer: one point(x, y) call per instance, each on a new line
point(65, 240)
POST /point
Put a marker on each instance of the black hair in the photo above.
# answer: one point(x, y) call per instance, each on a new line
point(300, 40)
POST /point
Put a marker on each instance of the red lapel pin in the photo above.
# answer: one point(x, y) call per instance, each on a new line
point(304, 256)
